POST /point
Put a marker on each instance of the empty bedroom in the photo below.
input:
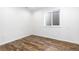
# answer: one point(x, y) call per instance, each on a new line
point(39, 28)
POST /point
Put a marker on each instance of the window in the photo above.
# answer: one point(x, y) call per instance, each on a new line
point(53, 18)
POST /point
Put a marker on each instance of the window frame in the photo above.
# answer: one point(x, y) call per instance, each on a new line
point(47, 16)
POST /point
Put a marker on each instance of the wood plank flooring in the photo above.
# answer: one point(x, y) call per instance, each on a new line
point(37, 43)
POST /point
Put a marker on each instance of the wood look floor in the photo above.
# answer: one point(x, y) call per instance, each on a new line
point(37, 43)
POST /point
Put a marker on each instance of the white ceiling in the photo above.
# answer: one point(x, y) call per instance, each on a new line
point(33, 9)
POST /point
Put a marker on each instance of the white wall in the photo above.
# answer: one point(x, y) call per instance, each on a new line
point(69, 30)
point(18, 22)
point(1, 25)
point(14, 24)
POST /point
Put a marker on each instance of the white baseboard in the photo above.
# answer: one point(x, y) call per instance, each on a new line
point(2, 43)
